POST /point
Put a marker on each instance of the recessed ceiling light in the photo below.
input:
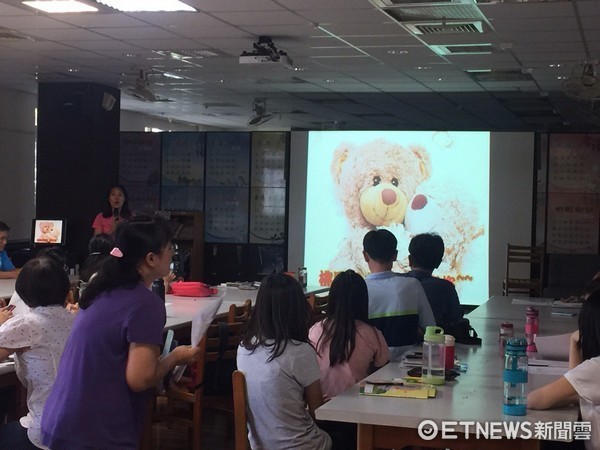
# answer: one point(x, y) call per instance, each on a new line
point(172, 75)
point(72, 70)
point(299, 69)
point(147, 5)
point(60, 6)
point(555, 65)
point(422, 67)
point(561, 78)
point(330, 80)
point(397, 52)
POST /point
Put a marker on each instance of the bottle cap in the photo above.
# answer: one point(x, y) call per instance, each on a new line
point(434, 334)
point(516, 345)
point(449, 339)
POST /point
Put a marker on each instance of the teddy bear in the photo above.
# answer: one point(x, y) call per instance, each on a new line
point(374, 183)
point(46, 232)
point(54, 233)
point(445, 207)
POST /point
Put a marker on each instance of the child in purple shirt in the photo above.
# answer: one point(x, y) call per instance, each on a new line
point(111, 361)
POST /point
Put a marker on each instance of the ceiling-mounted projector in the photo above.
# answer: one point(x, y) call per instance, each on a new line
point(265, 52)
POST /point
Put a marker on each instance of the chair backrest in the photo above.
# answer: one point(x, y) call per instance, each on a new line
point(239, 313)
point(240, 401)
point(218, 348)
point(528, 255)
point(318, 305)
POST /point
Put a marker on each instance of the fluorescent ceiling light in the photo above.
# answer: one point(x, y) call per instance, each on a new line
point(60, 6)
point(147, 5)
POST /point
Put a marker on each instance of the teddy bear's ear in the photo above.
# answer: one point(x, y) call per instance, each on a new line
point(424, 161)
point(339, 157)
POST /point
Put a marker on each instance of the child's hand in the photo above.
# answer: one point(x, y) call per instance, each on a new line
point(186, 354)
point(73, 308)
point(5, 314)
point(168, 279)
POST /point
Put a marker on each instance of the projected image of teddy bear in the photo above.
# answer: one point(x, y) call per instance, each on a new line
point(445, 208)
point(374, 183)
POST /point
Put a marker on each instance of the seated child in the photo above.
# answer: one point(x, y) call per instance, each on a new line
point(581, 382)
point(281, 370)
point(37, 339)
point(7, 268)
point(348, 348)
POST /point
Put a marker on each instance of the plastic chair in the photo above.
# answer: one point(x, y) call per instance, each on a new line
point(524, 270)
point(240, 405)
point(187, 398)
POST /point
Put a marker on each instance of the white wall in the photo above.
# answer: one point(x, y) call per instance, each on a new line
point(17, 154)
point(511, 198)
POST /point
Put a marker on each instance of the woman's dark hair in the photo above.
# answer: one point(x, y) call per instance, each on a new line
point(281, 314)
point(100, 246)
point(348, 301)
point(43, 282)
point(135, 239)
point(589, 327)
point(108, 210)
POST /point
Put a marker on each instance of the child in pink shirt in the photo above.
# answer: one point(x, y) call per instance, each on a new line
point(348, 348)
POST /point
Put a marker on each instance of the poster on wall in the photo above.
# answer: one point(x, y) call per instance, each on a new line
point(228, 159)
point(573, 223)
point(226, 217)
point(408, 183)
point(139, 170)
point(183, 157)
point(574, 163)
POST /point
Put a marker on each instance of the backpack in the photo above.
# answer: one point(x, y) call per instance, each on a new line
point(463, 332)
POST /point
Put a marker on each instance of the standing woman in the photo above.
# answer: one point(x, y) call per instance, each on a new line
point(111, 361)
point(115, 210)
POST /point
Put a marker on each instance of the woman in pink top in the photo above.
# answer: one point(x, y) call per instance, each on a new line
point(348, 348)
point(115, 210)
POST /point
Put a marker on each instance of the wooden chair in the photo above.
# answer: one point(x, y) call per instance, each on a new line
point(318, 305)
point(239, 313)
point(524, 270)
point(240, 402)
point(187, 399)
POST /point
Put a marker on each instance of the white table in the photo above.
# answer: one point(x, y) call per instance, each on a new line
point(502, 308)
point(7, 287)
point(180, 310)
point(475, 396)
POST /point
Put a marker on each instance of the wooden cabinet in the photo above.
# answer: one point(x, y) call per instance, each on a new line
point(188, 234)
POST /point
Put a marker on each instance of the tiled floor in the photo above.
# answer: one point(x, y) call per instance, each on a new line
point(215, 435)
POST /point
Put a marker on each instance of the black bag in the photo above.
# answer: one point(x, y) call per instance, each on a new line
point(463, 332)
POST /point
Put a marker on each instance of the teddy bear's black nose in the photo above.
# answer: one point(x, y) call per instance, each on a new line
point(388, 196)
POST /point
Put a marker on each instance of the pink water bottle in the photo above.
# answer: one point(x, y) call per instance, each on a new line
point(532, 324)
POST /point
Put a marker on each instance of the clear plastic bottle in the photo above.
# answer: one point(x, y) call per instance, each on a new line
point(158, 287)
point(449, 342)
point(515, 377)
point(302, 276)
point(532, 324)
point(507, 331)
point(434, 356)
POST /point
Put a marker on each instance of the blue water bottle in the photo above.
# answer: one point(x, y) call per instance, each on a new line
point(515, 377)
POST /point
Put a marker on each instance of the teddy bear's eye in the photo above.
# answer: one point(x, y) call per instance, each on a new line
point(395, 181)
point(376, 180)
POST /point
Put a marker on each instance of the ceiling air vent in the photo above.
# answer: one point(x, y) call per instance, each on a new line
point(472, 49)
point(445, 27)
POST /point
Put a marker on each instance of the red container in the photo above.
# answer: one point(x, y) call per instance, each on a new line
point(449, 341)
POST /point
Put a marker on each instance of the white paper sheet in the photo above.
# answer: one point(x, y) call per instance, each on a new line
point(553, 347)
point(528, 301)
point(203, 318)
